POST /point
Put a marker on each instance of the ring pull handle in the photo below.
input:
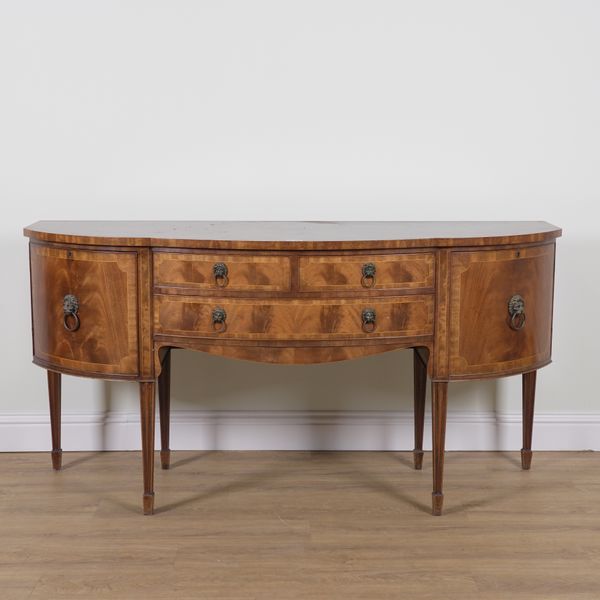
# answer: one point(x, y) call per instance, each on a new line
point(516, 311)
point(221, 272)
point(219, 320)
point(70, 317)
point(369, 318)
point(368, 275)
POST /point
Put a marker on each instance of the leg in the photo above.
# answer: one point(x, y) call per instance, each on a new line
point(438, 408)
point(54, 396)
point(420, 381)
point(164, 403)
point(528, 402)
point(147, 393)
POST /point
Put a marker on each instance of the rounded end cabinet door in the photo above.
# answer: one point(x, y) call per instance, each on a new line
point(500, 311)
point(84, 310)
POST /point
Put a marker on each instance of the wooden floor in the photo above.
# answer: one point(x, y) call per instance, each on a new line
point(279, 525)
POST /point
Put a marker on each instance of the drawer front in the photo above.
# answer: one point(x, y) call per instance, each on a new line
point(378, 272)
point(489, 334)
point(222, 272)
point(84, 309)
point(406, 316)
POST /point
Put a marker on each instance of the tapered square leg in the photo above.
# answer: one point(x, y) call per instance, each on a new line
point(54, 396)
point(420, 383)
point(164, 403)
point(529, 380)
point(147, 408)
point(439, 405)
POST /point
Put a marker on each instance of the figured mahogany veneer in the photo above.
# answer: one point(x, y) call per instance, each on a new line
point(105, 284)
point(294, 319)
point(481, 282)
point(244, 273)
point(391, 272)
point(473, 299)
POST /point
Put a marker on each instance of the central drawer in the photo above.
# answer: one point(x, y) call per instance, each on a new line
point(280, 319)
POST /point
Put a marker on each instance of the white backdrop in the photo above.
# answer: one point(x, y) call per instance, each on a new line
point(316, 110)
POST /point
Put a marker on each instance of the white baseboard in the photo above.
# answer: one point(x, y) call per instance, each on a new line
point(300, 430)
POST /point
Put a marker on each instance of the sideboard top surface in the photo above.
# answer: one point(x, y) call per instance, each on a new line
point(293, 235)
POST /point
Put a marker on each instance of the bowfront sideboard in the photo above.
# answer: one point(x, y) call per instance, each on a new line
point(472, 299)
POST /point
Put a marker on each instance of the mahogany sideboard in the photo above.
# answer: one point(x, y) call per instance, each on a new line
point(111, 299)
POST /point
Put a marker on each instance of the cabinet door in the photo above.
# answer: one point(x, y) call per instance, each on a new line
point(84, 310)
point(489, 335)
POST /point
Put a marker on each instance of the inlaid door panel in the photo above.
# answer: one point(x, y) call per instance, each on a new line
point(84, 309)
point(501, 310)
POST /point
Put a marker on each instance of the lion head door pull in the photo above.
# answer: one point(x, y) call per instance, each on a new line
point(70, 316)
point(516, 310)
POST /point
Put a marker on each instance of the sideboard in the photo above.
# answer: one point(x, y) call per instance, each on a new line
point(110, 299)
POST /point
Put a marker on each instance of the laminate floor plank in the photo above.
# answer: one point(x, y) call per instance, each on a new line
point(291, 525)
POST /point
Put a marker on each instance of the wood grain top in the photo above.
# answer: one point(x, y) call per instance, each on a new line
point(293, 235)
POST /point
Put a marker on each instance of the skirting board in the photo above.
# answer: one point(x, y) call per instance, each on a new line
point(300, 430)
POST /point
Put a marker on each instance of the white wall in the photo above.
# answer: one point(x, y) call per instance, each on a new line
point(302, 110)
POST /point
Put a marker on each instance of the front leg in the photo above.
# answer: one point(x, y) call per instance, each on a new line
point(147, 403)
point(528, 403)
point(439, 406)
point(54, 393)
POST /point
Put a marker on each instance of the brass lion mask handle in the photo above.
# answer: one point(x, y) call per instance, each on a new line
point(70, 317)
point(516, 311)
point(369, 320)
point(368, 275)
point(219, 320)
point(221, 272)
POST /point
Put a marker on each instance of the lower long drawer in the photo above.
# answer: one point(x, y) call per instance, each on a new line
point(403, 316)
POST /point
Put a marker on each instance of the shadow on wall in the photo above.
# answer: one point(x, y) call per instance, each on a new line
point(383, 382)
point(363, 404)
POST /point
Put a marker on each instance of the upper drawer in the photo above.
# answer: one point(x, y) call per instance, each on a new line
point(236, 272)
point(362, 272)
point(84, 309)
